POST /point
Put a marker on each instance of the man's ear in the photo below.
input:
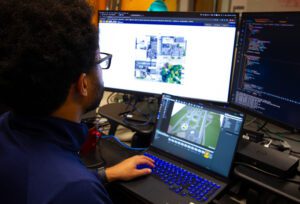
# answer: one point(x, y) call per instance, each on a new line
point(82, 85)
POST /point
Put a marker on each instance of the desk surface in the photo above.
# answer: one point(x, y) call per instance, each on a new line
point(113, 153)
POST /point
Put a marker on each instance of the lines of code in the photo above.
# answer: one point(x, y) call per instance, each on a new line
point(268, 67)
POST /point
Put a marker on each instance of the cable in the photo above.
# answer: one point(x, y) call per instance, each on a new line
point(108, 98)
point(278, 133)
point(281, 135)
point(149, 117)
point(273, 138)
point(250, 122)
point(261, 127)
point(284, 145)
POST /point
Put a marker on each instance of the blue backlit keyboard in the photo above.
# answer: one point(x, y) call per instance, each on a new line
point(181, 181)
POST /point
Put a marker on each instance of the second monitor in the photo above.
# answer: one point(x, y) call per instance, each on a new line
point(184, 54)
point(267, 71)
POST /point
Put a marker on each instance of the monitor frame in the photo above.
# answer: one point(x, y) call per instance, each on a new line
point(182, 14)
point(267, 119)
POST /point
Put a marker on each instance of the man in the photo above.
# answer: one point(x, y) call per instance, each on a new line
point(49, 77)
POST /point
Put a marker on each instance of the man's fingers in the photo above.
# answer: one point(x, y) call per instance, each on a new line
point(145, 157)
point(146, 161)
point(141, 172)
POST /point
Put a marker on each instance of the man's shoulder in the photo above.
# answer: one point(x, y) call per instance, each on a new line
point(67, 179)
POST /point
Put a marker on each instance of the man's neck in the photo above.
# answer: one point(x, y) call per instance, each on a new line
point(69, 112)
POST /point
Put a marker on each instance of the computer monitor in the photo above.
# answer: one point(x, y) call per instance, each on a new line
point(267, 71)
point(180, 53)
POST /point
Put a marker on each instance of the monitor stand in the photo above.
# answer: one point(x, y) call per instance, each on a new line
point(138, 116)
point(140, 112)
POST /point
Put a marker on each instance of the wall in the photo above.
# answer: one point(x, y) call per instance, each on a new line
point(143, 5)
point(185, 5)
point(265, 5)
point(137, 5)
point(96, 6)
point(204, 5)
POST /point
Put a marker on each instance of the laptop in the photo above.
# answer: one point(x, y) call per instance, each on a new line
point(193, 140)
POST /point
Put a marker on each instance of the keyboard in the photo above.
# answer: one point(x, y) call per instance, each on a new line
point(181, 181)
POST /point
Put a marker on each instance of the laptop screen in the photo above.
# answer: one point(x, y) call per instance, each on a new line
point(202, 134)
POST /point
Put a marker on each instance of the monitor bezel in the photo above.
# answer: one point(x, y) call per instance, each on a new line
point(245, 109)
point(182, 14)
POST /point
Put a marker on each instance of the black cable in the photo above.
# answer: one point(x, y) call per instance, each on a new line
point(261, 127)
point(134, 108)
point(273, 138)
point(108, 98)
point(128, 102)
point(283, 134)
point(277, 133)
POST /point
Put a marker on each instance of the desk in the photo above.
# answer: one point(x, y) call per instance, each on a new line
point(112, 153)
point(286, 189)
point(277, 186)
point(253, 177)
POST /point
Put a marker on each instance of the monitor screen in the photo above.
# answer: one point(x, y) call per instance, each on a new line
point(184, 54)
point(203, 134)
point(267, 75)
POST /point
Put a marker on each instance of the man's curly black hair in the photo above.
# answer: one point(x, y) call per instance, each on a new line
point(44, 47)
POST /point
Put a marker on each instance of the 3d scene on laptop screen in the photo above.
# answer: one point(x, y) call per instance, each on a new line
point(195, 125)
point(268, 67)
point(185, 54)
point(199, 133)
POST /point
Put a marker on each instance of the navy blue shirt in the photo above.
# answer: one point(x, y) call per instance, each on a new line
point(39, 162)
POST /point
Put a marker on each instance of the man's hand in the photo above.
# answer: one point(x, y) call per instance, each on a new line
point(127, 169)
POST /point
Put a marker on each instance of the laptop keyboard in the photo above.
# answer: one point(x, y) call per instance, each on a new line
point(181, 181)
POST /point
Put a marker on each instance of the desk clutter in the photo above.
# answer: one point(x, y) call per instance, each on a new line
point(112, 151)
